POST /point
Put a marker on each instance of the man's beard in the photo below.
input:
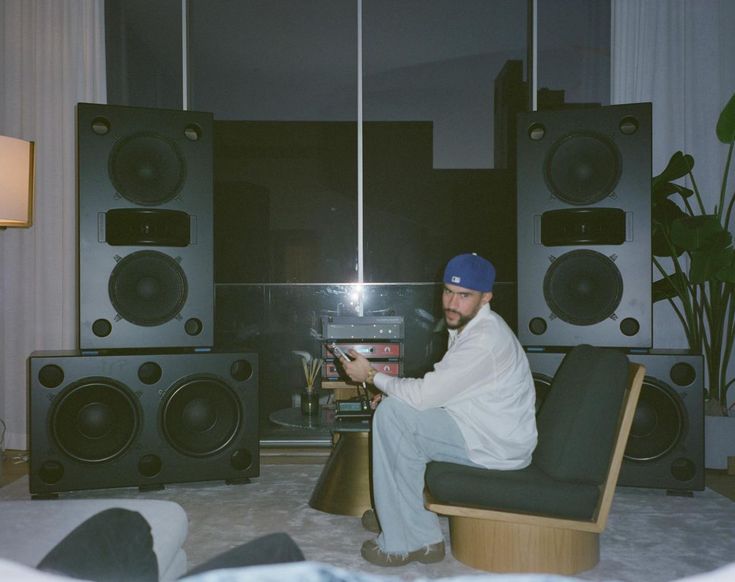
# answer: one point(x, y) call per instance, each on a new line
point(461, 322)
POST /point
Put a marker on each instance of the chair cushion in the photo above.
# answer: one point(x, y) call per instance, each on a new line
point(528, 490)
point(577, 428)
point(577, 424)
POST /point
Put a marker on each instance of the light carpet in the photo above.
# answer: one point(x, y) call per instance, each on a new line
point(650, 536)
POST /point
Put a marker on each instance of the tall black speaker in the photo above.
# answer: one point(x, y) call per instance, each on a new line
point(141, 419)
point(584, 226)
point(145, 187)
point(665, 448)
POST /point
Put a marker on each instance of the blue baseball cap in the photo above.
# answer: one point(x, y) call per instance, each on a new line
point(470, 271)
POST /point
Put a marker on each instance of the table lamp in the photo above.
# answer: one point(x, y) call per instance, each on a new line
point(16, 182)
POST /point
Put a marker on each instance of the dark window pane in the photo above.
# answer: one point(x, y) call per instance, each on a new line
point(281, 79)
point(431, 186)
point(573, 52)
point(143, 51)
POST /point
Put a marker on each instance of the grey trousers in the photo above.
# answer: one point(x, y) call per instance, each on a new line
point(404, 439)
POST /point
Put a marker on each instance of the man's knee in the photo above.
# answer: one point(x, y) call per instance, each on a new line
point(390, 413)
point(388, 410)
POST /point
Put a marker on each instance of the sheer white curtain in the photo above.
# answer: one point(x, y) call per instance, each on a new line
point(52, 57)
point(677, 54)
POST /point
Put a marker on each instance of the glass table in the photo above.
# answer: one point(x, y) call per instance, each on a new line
point(343, 487)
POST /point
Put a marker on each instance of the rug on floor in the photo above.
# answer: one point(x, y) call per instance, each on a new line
point(650, 536)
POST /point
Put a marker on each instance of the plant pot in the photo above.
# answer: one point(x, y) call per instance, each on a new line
point(310, 402)
point(719, 442)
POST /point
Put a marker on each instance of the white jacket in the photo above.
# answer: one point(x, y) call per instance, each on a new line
point(485, 383)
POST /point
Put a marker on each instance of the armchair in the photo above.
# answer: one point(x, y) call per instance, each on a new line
point(548, 516)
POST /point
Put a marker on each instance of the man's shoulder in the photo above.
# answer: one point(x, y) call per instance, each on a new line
point(492, 320)
point(489, 328)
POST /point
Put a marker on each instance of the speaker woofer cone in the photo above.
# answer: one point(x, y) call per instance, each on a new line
point(147, 169)
point(583, 287)
point(658, 423)
point(148, 288)
point(95, 420)
point(201, 417)
point(582, 168)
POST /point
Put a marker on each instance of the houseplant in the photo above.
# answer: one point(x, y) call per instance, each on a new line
point(702, 296)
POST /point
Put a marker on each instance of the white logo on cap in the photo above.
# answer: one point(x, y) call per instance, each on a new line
point(456, 279)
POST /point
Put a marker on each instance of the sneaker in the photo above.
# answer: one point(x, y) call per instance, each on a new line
point(370, 521)
point(426, 555)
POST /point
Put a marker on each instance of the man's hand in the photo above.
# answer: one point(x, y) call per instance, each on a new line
point(375, 400)
point(359, 368)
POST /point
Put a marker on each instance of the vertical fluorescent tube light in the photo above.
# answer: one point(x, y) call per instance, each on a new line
point(184, 55)
point(360, 197)
point(16, 182)
point(533, 53)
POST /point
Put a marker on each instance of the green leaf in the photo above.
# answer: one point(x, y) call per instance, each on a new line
point(707, 265)
point(727, 272)
point(726, 122)
point(663, 190)
point(695, 233)
point(679, 166)
point(663, 215)
point(666, 288)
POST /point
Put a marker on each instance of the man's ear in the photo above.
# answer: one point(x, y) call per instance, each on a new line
point(486, 297)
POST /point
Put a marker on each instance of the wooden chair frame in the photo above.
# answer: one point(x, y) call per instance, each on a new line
point(502, 541)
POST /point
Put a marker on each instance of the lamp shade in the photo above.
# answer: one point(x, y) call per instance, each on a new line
point(16, 182)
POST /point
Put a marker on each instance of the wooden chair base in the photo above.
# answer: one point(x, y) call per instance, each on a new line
point(502, 546)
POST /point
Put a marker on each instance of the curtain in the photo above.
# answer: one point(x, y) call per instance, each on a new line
point(52, 56)
point(678, 55)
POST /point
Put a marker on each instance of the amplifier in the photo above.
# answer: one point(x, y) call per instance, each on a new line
point(388, 327)
point(369, 350)
point(331, 371)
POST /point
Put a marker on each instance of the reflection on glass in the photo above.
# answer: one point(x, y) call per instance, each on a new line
point(280, 78)
point(431, 190)
point(143, 53)
point(573, 52)
point(277, 320)
point(436, 61)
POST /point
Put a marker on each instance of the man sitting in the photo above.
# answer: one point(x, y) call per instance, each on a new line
point(477, 407)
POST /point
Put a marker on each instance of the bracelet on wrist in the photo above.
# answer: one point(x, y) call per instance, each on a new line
point(371, 375)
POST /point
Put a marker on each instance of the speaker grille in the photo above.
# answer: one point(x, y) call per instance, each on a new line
point(94, 420)
point(583, 287)
point(582, 168)
point(148, 288)
point(658, 424)
point(147, 168)
point(201, 417)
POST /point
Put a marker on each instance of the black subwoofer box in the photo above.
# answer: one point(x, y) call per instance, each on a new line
point(141, 420)
point(584, 226)
point(145, 205)
point(665, 449)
